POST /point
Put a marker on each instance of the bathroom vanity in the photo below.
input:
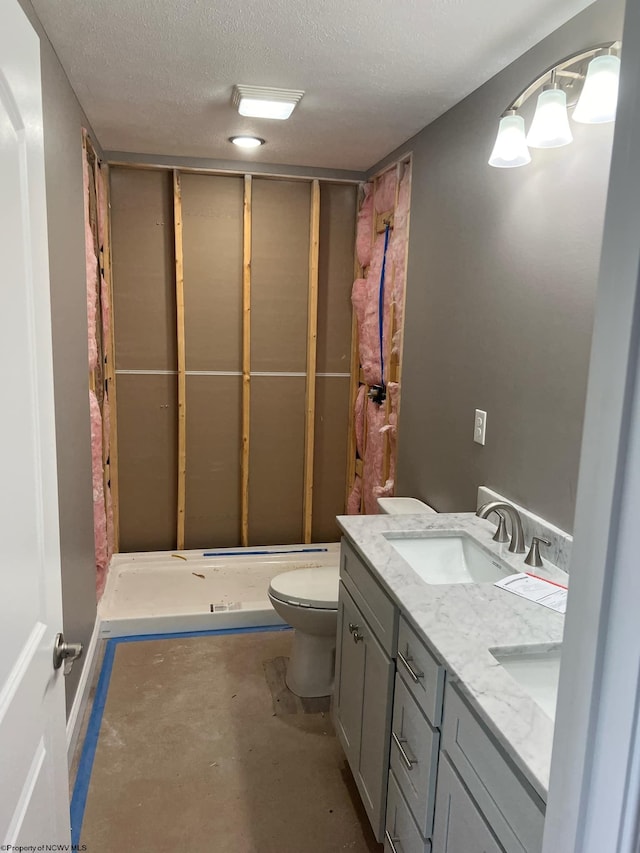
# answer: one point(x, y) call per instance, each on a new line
point(449, 751)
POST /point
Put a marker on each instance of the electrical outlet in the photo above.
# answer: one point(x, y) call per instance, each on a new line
point(480, 426)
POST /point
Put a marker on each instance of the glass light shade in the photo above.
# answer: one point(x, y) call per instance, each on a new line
point(510, 149)
point(259, 108)
point(246, 141)
point(550, 125)
point(599, 98)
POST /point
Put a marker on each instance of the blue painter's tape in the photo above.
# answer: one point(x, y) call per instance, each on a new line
point(85, 766)
point(81, 787)
point(263, 553)
point(256, 629)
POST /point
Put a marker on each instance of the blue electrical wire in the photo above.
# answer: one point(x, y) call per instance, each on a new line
point(381, 302)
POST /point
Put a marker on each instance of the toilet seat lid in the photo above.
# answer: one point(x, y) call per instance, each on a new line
point(316, 587)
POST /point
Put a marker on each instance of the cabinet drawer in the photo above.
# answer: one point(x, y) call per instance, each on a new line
point(422, 674)
point(401, 834)
point(414, 756)
point(511, 807)
point(376, 606)
point(459, 827)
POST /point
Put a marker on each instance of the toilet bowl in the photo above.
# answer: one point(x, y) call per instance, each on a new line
point(307, 599)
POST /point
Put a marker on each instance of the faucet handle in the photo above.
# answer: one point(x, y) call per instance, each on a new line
point(501, 534)
point(533, 558)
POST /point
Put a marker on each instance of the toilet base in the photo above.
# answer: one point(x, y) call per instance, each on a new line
point(311, 666)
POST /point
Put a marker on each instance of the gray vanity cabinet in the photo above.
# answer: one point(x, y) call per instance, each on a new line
point(420, 756)
point(363, 693)
point(512, 809)
point(459, 826)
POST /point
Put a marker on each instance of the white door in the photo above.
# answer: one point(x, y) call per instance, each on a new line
point(34, 799)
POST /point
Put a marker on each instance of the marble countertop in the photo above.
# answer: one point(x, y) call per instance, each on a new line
point(461, 622)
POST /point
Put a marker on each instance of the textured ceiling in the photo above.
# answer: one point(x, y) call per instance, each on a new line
point(155, 76)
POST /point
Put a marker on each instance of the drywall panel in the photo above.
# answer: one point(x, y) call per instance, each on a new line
point(279, 274)
point(212, 247)
point(143, 269)
point(335, 276)
point(276, 460)
point(147, 461)
point(330, 456)
point(214, 440)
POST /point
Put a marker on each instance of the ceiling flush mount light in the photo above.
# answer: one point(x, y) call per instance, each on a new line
point(558, 87)
point(260, 102)
point(247, 141)
point(599, 98)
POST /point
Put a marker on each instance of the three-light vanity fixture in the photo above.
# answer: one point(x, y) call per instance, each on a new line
point(595, 71)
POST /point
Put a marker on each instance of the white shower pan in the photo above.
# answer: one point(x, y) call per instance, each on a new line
point(172, 591)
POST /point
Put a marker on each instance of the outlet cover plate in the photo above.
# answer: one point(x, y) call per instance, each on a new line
point(480, 427)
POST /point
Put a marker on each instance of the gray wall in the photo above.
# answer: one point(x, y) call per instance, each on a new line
point(63, 121)
point(502, 273)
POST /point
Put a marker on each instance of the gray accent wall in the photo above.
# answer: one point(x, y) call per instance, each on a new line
point(63, 122)
point(502, 274)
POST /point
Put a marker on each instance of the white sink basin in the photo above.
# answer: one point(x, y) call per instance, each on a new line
point(536, 669)
point(448, 559)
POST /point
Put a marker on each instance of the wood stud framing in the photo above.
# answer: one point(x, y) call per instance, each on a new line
point(110, 374)
point(403, 165)
point(182, 379)
point(352, 461)
point(314, 265)
point(102, 379)
point(246, 362)
point(312, 343)
point(393, 361)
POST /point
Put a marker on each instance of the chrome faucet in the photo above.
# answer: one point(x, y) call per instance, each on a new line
point(516, 546)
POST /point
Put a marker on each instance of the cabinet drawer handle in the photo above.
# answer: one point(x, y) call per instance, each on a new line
point(357, 637)
point(399, 741)
point(392, 842)
point(416, 676)
point(353, 628)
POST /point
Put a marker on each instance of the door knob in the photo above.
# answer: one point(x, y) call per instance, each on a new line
point(65, 653)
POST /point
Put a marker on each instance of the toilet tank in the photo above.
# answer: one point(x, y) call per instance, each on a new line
point(403, 506)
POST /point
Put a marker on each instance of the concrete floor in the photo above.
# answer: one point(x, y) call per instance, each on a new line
point(192, 756)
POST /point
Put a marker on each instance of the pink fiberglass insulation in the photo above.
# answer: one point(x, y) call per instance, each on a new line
point(373, 459)
point(91, 265)
point(374, 275)
point(365, 228)
point(391, 430)
point(364, 297)
point(359, 419)
point(355, 497)
point(99, 514)
point(385, 194)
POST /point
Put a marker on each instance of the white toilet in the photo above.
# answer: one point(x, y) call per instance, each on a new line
point(307, 599)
